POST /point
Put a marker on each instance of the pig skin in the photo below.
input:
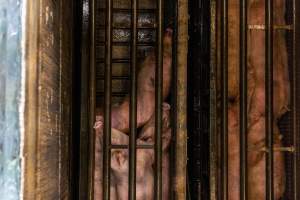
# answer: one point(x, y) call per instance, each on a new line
point(145, 160)
point(255, 99)
point(256, 57)
point(145, 89)
point(256, 159)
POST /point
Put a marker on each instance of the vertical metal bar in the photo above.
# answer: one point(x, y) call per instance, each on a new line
point(92, 100)
point(158, 104)
point(133, 104)
point(224, 64)
point(294, 97)
point(107, 103)
point(269, 98)
point(243, 99)
point(181, 113)
point(174, 106)
point(213, 169)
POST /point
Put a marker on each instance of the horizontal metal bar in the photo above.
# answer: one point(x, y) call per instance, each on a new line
point(290, 149)
point(116, 60)
point(128, 28)
point(114, 77)
point(142, 44)
point(115, 94)
point(128, 10)
point(120, 146)
point(276, 27)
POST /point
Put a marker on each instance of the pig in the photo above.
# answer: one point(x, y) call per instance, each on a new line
point(145, 88)
point(256, 99)
point(255, 161)
point(98, 168)
point(145, 161)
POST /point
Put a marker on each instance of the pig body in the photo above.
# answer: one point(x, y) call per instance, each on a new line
point(256, 159)
point(145, 89)
point(144, 161)
point(256, 99)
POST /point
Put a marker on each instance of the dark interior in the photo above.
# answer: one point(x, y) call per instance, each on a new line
point(199, 99)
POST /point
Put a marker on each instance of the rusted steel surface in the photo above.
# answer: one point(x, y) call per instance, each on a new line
point(48, 92)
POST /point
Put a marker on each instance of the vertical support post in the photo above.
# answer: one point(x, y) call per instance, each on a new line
point(158, 103)
point(107, 102)
point(224, 64)
point(243, 99)
point(295, 98)
point(133, 104)
point(181, 84)
point(269, 98)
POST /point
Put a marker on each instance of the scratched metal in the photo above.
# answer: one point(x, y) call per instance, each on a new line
point(48, 93)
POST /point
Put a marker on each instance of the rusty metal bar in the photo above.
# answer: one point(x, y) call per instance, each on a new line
point(140, 146)
point(224, 64)
point(174, 94)
point(243, 99)
point(269, 98)
point(107, 102)
point(128, 10)
point(158, 104)
point(92, 101)
point(295, 81)
point(133, 104)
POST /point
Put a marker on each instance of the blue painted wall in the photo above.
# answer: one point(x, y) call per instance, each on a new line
point(10, 90)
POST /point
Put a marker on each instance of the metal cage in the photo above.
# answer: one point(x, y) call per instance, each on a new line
point(289, 123)
point(108, 85)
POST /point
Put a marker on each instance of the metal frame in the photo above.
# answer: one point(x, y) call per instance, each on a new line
point(180, 101)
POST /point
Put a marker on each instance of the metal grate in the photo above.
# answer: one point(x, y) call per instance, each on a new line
point(130, 29)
